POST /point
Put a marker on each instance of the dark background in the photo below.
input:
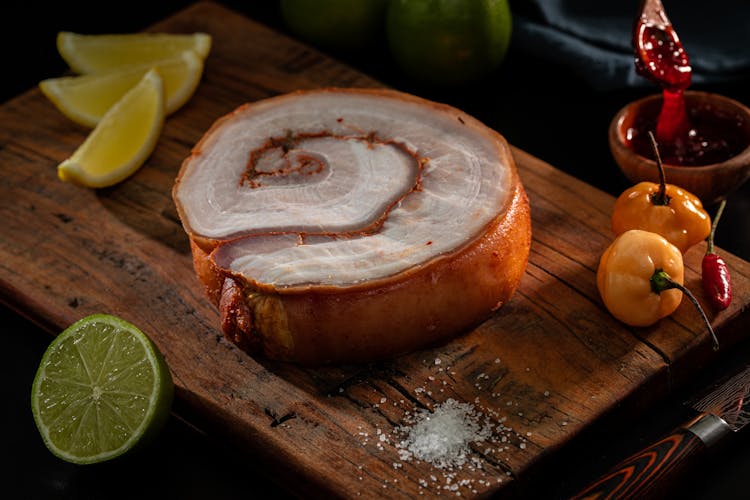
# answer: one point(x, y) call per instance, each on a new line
point(539, 106)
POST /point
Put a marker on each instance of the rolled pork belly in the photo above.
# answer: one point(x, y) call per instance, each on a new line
point(351, 225)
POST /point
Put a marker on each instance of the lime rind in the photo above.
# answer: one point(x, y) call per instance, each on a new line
point(71, 425)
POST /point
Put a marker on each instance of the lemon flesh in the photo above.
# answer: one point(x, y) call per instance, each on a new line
point(100, 53)
point(86, 98)
point(102, 388)
point(124, 138)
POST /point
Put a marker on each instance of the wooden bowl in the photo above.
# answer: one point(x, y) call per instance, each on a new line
point(711, 183)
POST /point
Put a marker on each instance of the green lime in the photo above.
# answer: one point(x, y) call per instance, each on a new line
point(346, 25)
point(448, 42)
point(102, 388)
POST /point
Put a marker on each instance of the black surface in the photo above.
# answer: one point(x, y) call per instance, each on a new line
point(539, 107)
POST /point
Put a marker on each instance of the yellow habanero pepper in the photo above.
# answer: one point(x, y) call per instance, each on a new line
point(625, 272)
point(640, 279)
point(662, 208)
point(673, 213)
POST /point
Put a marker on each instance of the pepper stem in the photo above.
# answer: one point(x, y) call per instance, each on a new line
point(661, 281)
point(710, 248)
point(660, 198)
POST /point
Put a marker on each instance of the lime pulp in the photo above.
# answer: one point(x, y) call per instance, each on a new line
point(101, 390)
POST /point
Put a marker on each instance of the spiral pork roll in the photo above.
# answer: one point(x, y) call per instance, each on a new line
point(338, 226)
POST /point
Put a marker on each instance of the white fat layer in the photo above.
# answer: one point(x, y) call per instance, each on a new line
point(464, 186)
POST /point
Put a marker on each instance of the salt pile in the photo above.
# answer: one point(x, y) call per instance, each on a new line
point(442, 436)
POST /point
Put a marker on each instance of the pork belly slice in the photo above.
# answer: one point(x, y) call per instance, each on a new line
point(339, 225)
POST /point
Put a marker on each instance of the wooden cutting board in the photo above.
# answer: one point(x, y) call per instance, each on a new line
point(546, 367)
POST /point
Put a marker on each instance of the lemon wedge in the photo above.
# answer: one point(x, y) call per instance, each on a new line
point(125, 136)
point(98, 53)
point(86, 98)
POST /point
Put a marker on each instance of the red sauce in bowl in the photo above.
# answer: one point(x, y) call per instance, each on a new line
point(713, 136)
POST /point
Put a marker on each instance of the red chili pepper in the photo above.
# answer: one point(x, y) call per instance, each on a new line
point(717, 283)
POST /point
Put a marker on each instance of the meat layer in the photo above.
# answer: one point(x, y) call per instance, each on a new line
point(352, 224)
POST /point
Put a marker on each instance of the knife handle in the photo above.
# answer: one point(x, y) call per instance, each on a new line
point(646, 473)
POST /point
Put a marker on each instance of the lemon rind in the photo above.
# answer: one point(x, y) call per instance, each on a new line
point(74, 169)
point(55, 88)
point(69, 47)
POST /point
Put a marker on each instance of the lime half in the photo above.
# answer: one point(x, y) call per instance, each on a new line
point(101, 389)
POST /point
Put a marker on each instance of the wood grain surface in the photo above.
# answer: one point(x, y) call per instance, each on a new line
point(548, 366)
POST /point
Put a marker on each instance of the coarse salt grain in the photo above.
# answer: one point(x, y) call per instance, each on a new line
point(442, 437)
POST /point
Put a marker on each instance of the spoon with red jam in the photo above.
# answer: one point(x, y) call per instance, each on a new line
point(688, 136)
point(660, 57)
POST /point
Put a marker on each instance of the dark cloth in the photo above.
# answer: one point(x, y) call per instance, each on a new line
point(593, 38)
